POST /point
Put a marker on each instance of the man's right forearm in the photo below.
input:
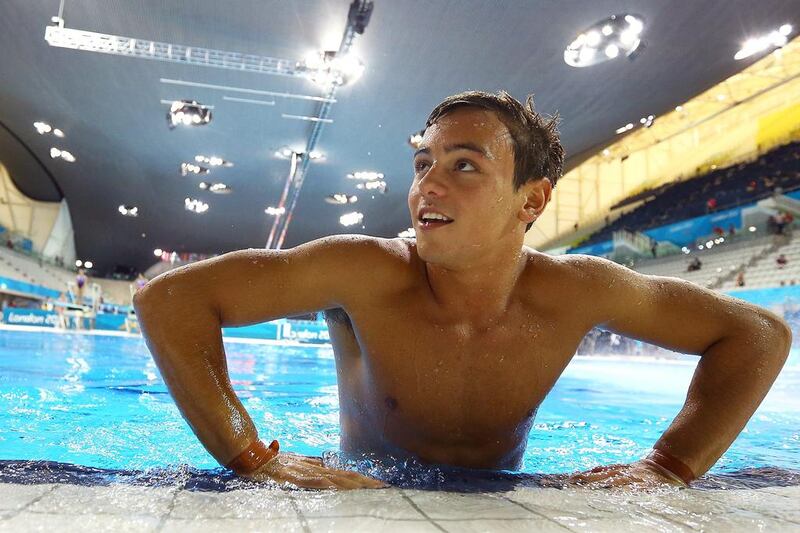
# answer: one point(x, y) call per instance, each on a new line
point(184, 335)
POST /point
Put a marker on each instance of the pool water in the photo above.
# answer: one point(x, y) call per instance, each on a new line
point(98, 401)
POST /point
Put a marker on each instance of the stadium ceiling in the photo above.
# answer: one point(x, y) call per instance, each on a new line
point(112, 109)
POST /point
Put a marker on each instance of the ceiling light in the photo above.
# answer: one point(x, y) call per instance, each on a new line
point(219, 188)
point(407, 233)
point(606, 152)
point(188, 113)
point(615, 36)
point(128, 210)
point(365, 175)
point(341, 198)
point(58, 133)
point(328, 69)
point(752, 229)
point(351, 219)
point(285, 152)
point(42, 127)
point(191, 168)
point(158, 252)
point(88, 264)
point(195, 206)
point(593, 38)
point(212, 161)
point(63, 154)
point(776, 38)
point(78, 263)
point(415, 139)
point(623, 129)
point(275, 211)
point(378, 186)
point(315, 155)
point(635, 24)
point(679, 108)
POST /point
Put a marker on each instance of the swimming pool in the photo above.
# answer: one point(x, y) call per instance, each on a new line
point(98, 401)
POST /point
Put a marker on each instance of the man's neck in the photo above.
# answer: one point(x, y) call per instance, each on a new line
point(480, 291)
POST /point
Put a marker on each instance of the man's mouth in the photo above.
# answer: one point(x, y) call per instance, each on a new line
point(433, 220)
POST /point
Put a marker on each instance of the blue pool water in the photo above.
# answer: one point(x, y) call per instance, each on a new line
point(99, 401)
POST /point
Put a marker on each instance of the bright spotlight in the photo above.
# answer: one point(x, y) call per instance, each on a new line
point(188, 113)
point(612, 51)
point(349, 219)
point(158, 252)
point(78, 263)
point(88, 264)
point(615, 36)
point(42, 127)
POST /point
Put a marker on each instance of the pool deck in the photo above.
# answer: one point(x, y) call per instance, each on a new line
point(122, 507)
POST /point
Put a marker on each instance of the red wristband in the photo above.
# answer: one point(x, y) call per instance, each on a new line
point(253, 457)
point(672, 464)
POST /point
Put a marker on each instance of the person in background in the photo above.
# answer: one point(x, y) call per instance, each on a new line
point(80, 282)
point(140, 282)
point(731, 231)
point(740, 279)
point(781, 261)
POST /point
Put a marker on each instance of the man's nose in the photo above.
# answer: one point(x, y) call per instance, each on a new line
point(432, 183)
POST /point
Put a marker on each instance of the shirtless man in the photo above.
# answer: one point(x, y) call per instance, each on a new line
point(446, 345)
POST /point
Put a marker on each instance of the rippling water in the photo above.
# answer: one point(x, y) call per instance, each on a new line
point(98, 402)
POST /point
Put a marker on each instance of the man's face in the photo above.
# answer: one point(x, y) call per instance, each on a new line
point(464, 170)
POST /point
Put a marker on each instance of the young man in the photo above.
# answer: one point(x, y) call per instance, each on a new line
point(446, 345)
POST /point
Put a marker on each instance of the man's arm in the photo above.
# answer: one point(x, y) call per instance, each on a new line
point(742, 347)
point(181, 314)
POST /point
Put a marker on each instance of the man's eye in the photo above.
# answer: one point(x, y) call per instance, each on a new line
point(419, 166)
point(465, 166)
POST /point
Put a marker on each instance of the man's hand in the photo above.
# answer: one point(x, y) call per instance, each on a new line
point(309, 472)
point(635, 475)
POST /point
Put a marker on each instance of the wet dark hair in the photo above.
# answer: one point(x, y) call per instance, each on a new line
point(537, 147)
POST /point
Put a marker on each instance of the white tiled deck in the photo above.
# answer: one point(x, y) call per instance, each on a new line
point(59, 507)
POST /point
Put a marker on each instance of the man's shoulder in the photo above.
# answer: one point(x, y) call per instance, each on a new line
point(389, 251)
point(374, 257)
point(574, 272)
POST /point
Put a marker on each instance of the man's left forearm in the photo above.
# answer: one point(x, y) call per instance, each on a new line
point(731, 379)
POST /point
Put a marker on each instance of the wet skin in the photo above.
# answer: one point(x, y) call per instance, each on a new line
point(446, 345)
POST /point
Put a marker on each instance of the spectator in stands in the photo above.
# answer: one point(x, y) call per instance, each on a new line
point(781, 261)
point(731, 231)
point(80, 281)
point(751, 186)
point(141, 281)
point(696, 264)
point(711, 204)
point(654, 247)
point(718, 231)
point(740, 279)
point(780, 223)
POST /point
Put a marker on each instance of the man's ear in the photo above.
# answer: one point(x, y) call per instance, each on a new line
point(537, 196)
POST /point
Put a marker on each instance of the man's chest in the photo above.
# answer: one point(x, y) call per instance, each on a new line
point(449, 377)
